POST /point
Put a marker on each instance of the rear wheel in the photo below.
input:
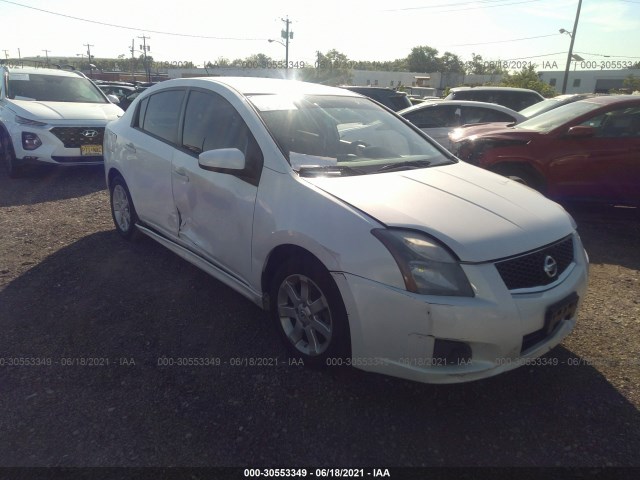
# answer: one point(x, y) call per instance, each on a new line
point(9, 161)
point(122, 209)
point(308, 310)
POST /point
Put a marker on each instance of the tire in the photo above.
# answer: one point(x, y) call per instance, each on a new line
point(522, 174)
point(122, 210)
point(309, 313)
point(9, 162)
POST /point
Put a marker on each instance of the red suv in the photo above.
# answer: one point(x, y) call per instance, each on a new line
point(584, 151)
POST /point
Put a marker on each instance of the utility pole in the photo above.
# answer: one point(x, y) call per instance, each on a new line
point(6, 54)
point(286, 34)
point(89, 55)
point(573, 38)
point(144, 47)
point(46, 54)
point(133, 61)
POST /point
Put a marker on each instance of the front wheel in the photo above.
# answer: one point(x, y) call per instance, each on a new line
point(122, 209)
point(308, 310)
point(11, 165)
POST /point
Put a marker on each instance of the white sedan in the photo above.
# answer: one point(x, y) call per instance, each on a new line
point(368, 243)
point(439, 118)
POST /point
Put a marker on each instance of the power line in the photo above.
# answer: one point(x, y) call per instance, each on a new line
point(459, 9)
point(502, 41)
point(137, 29)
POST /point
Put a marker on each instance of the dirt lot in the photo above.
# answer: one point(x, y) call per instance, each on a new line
point(70, 288)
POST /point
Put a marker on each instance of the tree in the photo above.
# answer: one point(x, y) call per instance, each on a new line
point(332, 68)
point(423, 59)
point(451, 63)
point(629, 85)
point(478, 66)
point(528, 78)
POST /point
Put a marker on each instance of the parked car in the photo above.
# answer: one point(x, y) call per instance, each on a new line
point(119, 89)
point(513, 98)
point(439, 118)
point(555, 102)
point(588, 150)
point(50, 116)
point(390, 98)
point(130, 97)
point(368, 243)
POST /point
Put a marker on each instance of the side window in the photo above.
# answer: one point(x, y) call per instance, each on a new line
point(162, 115)
point(211, 122)
point(436, 117)
point(138, 118)
point(484, 115)
point(623, 122)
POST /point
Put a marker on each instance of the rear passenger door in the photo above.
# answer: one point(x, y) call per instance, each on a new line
point(149, 153)
point(215, 208)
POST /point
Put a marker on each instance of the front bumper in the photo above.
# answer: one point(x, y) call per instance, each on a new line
point(394, 332)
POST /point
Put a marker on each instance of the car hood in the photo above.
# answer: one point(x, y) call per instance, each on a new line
point(497, 130)
point(481, 216)
point(47, 111)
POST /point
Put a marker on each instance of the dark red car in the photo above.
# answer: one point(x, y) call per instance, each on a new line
point(584, 151)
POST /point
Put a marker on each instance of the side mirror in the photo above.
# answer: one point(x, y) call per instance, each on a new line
point(113, 99)
point(581, 131)
point(222, 159)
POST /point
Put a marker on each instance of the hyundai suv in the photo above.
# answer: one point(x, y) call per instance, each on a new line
point(50, 116)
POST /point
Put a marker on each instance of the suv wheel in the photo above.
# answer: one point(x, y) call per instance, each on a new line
point(8, 156)
point(122, 209)
point(307, 308)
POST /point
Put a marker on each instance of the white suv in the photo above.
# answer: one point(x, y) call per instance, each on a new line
point(51, 116)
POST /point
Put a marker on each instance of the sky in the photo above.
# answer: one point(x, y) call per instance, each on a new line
point(516, 31)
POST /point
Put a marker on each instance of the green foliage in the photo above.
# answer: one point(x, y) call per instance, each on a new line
point(331, 68)
point(478, 66)
point(423, 59)
point(528, 78)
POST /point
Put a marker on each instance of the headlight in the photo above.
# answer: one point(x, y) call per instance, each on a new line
point(426, 265)
point(27, 121)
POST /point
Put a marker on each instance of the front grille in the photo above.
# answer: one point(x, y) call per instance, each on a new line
point(74, 137)
point(528, 270)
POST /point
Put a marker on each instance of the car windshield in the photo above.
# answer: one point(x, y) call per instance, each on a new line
point(52, 88)
point(547, 121)
point(340, 135)
point(540, 107)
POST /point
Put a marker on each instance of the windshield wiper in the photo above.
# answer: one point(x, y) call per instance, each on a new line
point(337, 170)
point(409, 165)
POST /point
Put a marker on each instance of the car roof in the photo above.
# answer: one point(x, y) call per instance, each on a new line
point(461, 103)
point(506, 89)
point(43, 71)
point(262, 86)
point(611, 99)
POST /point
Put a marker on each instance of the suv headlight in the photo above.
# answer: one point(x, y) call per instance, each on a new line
point(427, 266)
point(27, 121)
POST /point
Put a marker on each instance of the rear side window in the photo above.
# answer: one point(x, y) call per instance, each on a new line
point(435, 117)
point(159, 114)
point(484, 115)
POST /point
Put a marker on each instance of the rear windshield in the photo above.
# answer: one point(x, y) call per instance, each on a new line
point(52, 88)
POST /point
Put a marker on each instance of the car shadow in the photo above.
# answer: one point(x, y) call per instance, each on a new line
point(611, 235)
point(46, 184)
point(133, 357)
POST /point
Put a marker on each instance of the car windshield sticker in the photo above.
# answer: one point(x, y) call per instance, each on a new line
point(19, 76)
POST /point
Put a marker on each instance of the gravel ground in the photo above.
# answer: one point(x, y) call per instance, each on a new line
point(71, 288)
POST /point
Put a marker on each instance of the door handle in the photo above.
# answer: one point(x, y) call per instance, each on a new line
point(130, 146)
